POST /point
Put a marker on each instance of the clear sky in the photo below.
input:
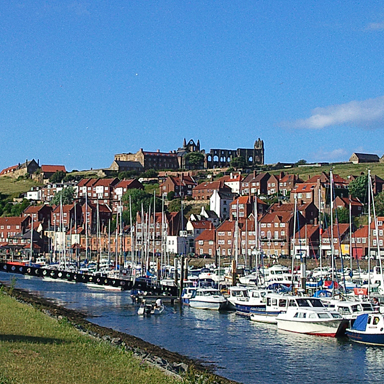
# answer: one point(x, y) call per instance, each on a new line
point(83, 80)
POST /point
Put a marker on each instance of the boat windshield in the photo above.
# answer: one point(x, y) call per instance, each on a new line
point(303, 302)
point(315, 302)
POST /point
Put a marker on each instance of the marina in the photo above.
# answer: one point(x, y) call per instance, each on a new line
point(236, 348)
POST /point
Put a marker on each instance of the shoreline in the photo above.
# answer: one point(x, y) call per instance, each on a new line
point(170, 362)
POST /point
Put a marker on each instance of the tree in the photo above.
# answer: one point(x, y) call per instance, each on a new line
point(57, 177)
point(194, 160)
point(174, 205)
point(359, 188)
point(139, 198)
point(341, 214)
point(127, 175)
point(65, 196)
point(170, 195)
point(379, 204)
point(238, 162)
point(150, 173)
point(301, 162)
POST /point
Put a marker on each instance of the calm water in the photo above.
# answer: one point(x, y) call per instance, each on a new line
point(239, 349)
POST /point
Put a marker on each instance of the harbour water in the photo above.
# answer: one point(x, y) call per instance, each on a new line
point(237, 348)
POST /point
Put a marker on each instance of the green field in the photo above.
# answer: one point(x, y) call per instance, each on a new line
point(35, 348)
point(13, 187)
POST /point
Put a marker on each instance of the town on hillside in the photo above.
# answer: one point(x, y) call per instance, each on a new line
point(219, 203)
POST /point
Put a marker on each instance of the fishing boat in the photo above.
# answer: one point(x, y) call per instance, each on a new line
point(367, 329)
point(312, 321)
point(208, 298)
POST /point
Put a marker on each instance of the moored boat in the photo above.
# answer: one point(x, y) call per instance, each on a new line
point(367, 329)
point(208, 298)
point(312, 321)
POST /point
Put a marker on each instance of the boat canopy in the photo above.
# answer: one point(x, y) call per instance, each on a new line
point(360, 323)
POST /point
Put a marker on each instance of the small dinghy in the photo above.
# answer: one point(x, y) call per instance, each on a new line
point(151, 309)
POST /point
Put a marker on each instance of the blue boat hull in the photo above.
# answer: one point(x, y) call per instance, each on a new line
point(366, 338)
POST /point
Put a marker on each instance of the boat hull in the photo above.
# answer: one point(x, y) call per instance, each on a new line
point(269, 318)
point(317, 328)
point(213, 305)
point(366, 338)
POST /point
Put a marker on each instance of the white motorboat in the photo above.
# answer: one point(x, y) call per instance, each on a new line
point(236, 293)
point(255, 301)
point(276, 304)
point(312, 321)
point(349, 309)
point(208, 298)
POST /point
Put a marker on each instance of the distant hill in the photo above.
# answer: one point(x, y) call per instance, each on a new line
point(344, 170)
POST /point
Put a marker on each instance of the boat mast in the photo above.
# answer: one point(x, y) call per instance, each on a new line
point(293, 241)
point(97, 235)
point(369, 232)
point(320, 237)
point(331, 218)
point(86, 225)
point(31, 249)
point(350, 234)
point(377, 236)
point(256, 235)
point(131, 227)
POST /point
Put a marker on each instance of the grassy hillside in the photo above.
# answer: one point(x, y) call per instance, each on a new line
point(344, 170)
point(13, 187)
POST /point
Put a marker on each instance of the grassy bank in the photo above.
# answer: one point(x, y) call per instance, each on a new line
point(36, 348)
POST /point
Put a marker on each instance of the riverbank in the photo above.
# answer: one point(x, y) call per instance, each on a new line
point(44, 343)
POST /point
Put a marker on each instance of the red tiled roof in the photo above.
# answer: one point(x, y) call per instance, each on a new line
point(338, 230)
point(210, 185)
point(8, 170)
point(282, 216)
point(124, 183)
point(307, 231)
point(353, 201)
point(205, 224)
point(185, 180)
point(228, 225)
point(361, 232)
point(241, 200)
point(52, 168)
point(13, 220)
point(105, 182)
point(207, 235)
point(304, 187)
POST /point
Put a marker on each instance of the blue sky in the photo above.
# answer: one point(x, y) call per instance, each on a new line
point(83, 80)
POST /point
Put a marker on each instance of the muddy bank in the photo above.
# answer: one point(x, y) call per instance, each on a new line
point(171, 362)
